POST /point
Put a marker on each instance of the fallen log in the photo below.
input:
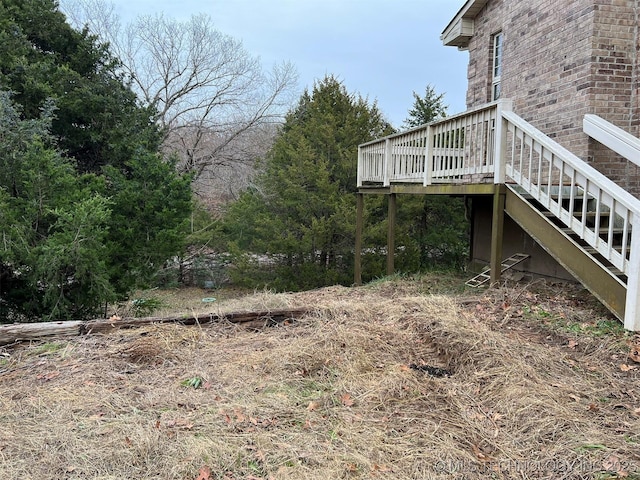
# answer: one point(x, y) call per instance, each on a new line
point(19, 332)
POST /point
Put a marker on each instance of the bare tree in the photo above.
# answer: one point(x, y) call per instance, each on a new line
point(213, 98)
point(232, 169)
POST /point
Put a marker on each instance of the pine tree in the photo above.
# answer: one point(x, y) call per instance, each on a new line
point(433, 229)
point(302, 211)
point(91, 209)
point(426, 109)
point(53, 225)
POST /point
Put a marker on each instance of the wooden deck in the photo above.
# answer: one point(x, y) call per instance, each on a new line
point(491, 151)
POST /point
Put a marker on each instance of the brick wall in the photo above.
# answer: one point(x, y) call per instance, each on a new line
point(563, 59)
point(614, 84)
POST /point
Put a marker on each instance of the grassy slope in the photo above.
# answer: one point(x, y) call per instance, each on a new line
point(540, 387)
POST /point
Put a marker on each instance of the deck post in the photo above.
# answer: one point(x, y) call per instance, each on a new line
point(497, 228)
point(391, 232)
point(388, 150)
point(428, 165)
point(357, 269)
point(500, 141)
point(360, 167)
point(632, 302)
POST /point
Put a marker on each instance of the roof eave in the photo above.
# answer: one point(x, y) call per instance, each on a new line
point(461, 28)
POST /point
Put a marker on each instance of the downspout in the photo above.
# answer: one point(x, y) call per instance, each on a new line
point(632, 313)
point(634, 106)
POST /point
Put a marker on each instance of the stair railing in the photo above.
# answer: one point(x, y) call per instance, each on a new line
point(596, 209)
point(613, 137)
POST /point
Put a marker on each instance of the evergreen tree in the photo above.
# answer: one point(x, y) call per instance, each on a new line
point(302, 211)
point(53, 225)
point(92, 209)
point(151, 206)
point(426, 109)
point(98, 120)
point(433, 229)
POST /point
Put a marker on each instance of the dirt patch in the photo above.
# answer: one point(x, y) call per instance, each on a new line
point(522, 383)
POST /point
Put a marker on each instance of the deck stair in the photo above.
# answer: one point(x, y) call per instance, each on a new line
point(482, 279)
point(606, 227)
point(586, 263)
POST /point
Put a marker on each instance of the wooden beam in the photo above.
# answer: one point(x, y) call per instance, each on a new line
point(379, 190)
point(497, 229)
point(19, 332)
point(433, 189)
point(357, 269)
point(444, 189)
point(391, 231)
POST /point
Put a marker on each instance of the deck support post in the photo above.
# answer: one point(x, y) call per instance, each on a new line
point(497, 228)
point(357, 269)
point(391, 232)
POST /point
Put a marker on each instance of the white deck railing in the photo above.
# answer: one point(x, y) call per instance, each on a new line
point(493, 144)
point(458, 146)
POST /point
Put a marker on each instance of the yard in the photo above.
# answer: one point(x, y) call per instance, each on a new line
point(410, 378)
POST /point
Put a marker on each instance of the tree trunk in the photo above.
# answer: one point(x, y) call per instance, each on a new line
point(35, 331)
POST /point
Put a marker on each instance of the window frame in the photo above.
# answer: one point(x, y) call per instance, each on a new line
point(497, 65)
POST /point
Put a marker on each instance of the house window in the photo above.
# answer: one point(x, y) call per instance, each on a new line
point(496, 66)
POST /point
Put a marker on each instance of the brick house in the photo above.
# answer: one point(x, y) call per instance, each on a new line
point(558, 61)
point(547, 152)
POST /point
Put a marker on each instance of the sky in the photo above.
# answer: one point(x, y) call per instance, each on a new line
point(383, 50)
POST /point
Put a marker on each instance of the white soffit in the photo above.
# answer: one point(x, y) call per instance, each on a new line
point(460, 29)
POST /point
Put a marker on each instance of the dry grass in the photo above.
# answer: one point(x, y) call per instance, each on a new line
point(536, 391)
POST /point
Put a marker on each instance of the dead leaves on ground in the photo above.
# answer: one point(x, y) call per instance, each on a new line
point(613, 464)
point(375, 470)
point(347, 400)
point(344, 399)
point(627, 368)
point(243, 422)
point(634, 355)
point(45, 377)
point(177, 423)
point(204, 474)
point(479, 454)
